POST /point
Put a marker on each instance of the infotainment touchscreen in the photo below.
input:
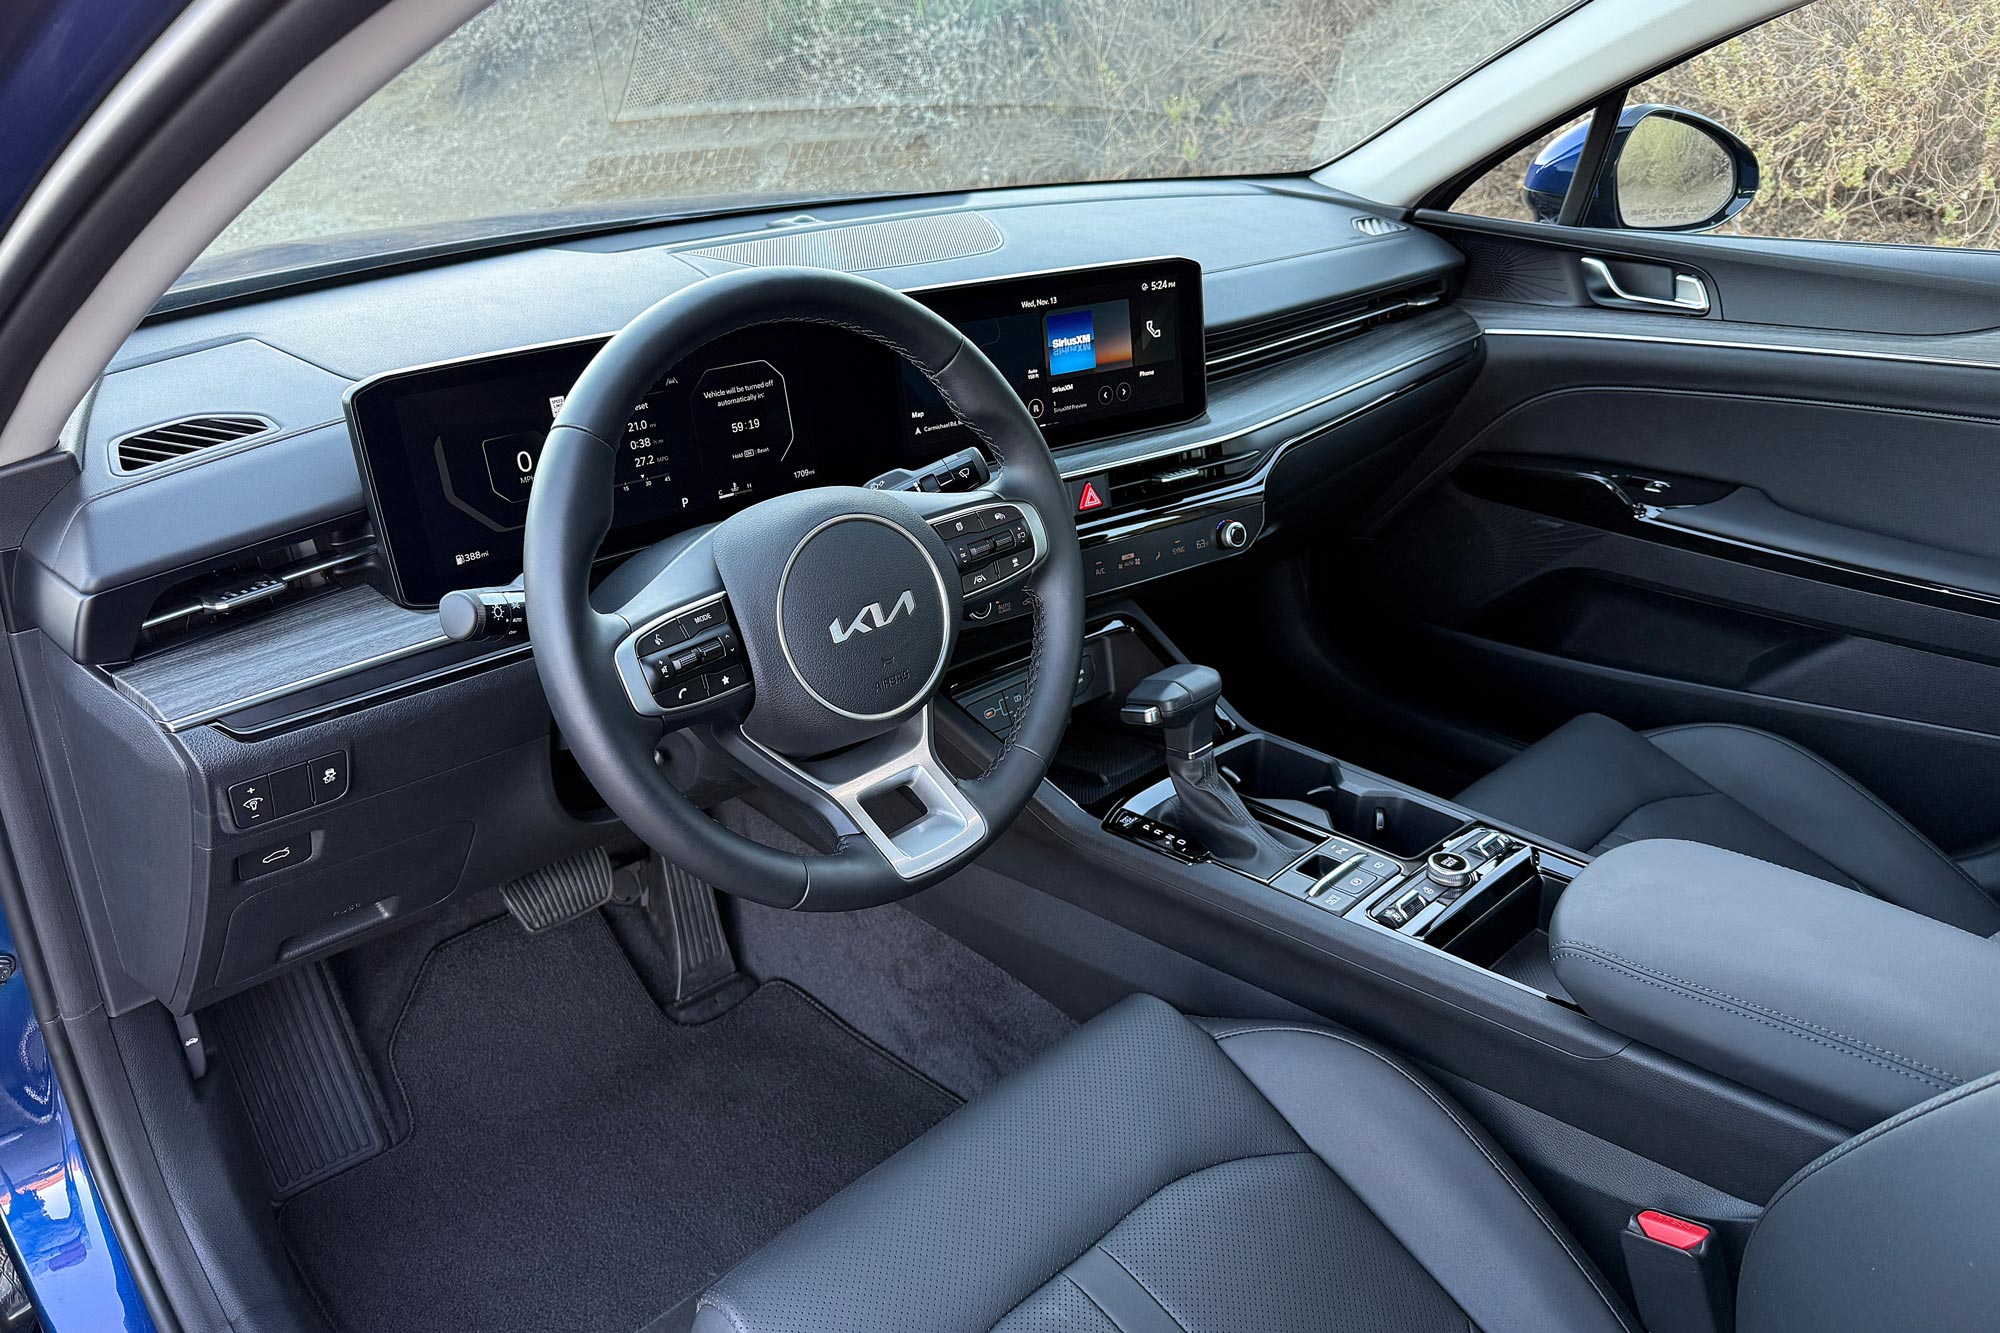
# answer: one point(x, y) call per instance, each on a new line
point(448, 452)
point(1092, 352)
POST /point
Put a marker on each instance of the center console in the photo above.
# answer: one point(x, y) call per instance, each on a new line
point(1385, 860)
point(1159, 761)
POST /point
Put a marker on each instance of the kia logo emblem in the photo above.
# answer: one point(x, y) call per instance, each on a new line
point(872, 617)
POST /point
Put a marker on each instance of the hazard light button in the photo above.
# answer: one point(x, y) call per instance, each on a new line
point(1091, 493)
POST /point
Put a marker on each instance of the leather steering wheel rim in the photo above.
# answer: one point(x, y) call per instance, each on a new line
point(570, 513)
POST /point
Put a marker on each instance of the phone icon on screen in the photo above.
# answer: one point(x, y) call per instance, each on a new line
point(1152, 329)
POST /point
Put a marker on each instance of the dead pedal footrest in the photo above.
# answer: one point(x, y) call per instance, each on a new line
point(560, 893)
point(311, 1100)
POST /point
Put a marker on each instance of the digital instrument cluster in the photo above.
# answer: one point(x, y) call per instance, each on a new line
point(448, 453)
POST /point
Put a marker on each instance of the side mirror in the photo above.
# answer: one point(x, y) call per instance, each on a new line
point(1667, 169)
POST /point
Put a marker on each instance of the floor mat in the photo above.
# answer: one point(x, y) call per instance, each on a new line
point(575, 1160)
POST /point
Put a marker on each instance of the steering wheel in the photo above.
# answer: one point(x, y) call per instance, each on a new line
point(806, 637)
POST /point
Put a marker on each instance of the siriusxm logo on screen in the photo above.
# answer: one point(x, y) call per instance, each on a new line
point(1072, 342)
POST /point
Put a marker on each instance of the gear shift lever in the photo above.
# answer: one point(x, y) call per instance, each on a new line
point(1179, 702)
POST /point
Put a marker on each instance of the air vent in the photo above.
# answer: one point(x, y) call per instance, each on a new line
point(178, 439)
point(1265, 342)
point(1370, 225)
point(251, 587)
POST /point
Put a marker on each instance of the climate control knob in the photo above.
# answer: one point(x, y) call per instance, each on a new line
point(1233, 535)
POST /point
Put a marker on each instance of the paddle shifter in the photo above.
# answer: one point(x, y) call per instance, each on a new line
point(1179, 702)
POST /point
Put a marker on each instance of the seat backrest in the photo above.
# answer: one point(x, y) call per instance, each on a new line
point(1897, 1228)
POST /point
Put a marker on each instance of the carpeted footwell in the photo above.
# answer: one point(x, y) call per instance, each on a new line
point(577, 1161)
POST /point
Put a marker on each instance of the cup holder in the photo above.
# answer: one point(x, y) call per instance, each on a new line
point(1398, 824)
point(1385, 818)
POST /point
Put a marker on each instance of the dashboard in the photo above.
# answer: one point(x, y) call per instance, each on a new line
point(448, 452)
point(230, 622)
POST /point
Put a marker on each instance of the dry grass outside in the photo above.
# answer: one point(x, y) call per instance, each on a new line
point(539, 105)
point(1872, 120)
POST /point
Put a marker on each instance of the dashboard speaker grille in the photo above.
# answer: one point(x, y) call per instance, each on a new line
point(864, 246)
point(189, 435)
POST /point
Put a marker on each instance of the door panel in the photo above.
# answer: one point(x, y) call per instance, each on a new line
point(1676, 519)
point(1825, 285)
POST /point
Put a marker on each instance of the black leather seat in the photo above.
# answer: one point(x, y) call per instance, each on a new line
point(1152, 1175)
point(1149, 1173)
point(1592, 784)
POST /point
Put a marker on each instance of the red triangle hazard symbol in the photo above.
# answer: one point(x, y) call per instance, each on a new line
point(1090, 499)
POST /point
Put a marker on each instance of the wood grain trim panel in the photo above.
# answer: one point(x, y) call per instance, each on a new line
point(294, 647)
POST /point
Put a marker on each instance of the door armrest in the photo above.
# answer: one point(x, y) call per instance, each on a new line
point(1819, 995)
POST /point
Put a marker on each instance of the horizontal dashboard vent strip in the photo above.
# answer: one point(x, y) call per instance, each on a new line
point(1265, 342)
point(189, 435)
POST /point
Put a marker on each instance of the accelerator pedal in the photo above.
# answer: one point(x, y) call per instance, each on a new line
point(312, 1102)
point(687, 919)
point(558, 894)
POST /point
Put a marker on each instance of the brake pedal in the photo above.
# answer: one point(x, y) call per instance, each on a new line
point(558, 894)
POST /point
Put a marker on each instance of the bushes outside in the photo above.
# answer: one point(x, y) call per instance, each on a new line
point(1872, 120)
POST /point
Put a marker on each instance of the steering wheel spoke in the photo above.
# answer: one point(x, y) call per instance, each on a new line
point(892, 790)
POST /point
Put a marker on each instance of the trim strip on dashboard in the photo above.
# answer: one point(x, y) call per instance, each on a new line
point(1224, 360)
point(1168, 451)
point(1745, 345)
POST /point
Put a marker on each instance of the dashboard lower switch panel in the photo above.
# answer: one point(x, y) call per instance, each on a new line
point(288, 791)
point(293, 851)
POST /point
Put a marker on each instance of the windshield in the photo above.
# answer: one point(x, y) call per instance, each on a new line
point(553, 113)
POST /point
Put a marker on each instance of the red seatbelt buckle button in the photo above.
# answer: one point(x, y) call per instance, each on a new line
point(1680, 1281)
point(1670, 1230)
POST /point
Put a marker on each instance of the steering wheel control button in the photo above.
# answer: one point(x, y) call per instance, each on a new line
point(683, 693)
point(328, 777)
point(662, 638)
point(989, 547)
point(293, 851)
point(703, 619)
point(250, 803)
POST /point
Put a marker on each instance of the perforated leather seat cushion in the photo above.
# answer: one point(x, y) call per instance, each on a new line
point(1593, 784)
point(1151, 1173)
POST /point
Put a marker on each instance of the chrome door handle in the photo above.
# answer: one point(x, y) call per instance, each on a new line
point(1690, 293)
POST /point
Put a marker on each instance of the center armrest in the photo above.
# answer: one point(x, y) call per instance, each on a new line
point(1819, 995)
